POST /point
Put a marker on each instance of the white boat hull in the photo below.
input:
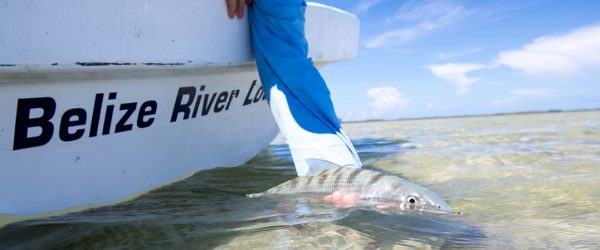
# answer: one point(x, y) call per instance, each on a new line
point(145, 142)
point(100, 101)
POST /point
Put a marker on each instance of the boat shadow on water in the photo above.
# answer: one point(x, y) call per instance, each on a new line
point(210, 210)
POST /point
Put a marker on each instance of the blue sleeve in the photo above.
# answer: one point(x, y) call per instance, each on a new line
point(296, 92)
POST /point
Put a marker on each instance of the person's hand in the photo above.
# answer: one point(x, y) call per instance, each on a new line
point(235, 8)
point(348, 200)
point(340, 199)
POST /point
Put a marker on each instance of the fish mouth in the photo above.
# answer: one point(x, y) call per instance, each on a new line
point(440, 212)
point(442, 209)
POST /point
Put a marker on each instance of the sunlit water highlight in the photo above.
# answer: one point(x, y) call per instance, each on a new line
point(522, 181)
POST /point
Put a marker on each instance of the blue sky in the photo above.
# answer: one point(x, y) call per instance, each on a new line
point(438, 58)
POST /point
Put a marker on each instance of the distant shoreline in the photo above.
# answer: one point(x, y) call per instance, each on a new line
point(479, 115)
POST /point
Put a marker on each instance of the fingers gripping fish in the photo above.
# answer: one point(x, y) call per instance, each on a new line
point(372, 188)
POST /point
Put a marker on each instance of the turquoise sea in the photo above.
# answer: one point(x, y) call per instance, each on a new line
point(521, 181)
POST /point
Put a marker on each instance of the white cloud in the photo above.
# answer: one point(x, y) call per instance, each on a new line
point(455, 54)
point(425, 19)
point(527, 93)
point(386, 99)
point(365, 5)
point(557, 55)
point(432, 10)
point(456, 74)
point(551, 55)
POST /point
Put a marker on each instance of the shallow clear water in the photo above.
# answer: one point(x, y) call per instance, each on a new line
point(522, 181)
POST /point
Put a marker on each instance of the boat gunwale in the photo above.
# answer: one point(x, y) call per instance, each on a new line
point(108, 70)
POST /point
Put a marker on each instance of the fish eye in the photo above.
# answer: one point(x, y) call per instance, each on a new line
point(412, 199)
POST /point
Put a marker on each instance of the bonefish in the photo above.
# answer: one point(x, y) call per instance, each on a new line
point(373, 188)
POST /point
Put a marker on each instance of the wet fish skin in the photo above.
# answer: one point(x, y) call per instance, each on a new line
point(372, 188)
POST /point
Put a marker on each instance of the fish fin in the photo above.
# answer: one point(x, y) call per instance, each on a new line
point(307, 211)
point(316, 165)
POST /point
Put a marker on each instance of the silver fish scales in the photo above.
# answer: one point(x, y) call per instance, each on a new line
point(371, 187)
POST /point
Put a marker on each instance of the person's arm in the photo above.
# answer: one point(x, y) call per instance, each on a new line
point(235, 8)
point(291, 81)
